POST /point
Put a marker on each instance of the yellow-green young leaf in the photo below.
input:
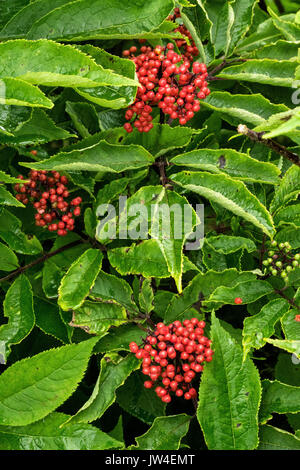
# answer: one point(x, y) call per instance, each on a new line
point(292, 346)
point(10, 232)
point(19, 24)
point(230, 194)
point(260, 326)
point(79, 279)
point(288, 190)
point(46, 434)
point(112, 376)
point(48, 63)
point(271, 438)
point(278, 398)
point(290, 326)
point(98, 317)
point(161, 139)
point(4, 178)
point(17, 92)
point(267, 71)
point(236, 164)
point(165, 433)
point(18, 308)
point(83, 20)
point(8, 259)
point(7, 199)
point(39, 129)
point(252, 109)
point(34, 387)
point(114, 159)
point(229, 395)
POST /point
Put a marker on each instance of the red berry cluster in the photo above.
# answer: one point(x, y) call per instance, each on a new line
point(173, 354)
point(169, 81)
point(190, 51)
point(48, 193)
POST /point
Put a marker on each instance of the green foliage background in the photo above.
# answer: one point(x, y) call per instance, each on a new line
point(67, 378)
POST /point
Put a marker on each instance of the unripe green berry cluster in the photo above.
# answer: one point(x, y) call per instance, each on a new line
point(281, 261)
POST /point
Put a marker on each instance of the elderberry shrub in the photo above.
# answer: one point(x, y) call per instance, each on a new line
point(48, 193)
point(172, 356)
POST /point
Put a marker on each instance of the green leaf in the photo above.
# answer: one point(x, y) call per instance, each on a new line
point(113, 97)
point(8, 259)
point(161, 139)
point(34, 387)
point(227, 244)
point(10, 232)
point(52, 276)
point(109, 287)
point(146, 296)
point(83, 20)
point(290, 326)
point(271, 438)
point(261, 326)
point(286, 25)
point(12, 118)
point(4, 178)
point(288, 190)
point(267, 71)
point(48, 63)
point(9, 9)
point(289, 215)
point(79, 279)
point(111, 377)
point(229, 396)
point(248, 291)
point(49, 320)
point(6, 198)
point(84, 118)
point(165, 433)
point(114, 159)
point(134, 398)
point(292, 346)
point(21, 23)
point(98, 317)
point(201, 287)
point(278, 398)
point(265, 34)
point(39, 129)
point(229, 193)
point(252, 109)
point(118, 339)
point(236, 164)
point(286, 123)
point(17, 92)
point(243, 11)
point(221, 16)
point(18, 308)
point(47, 434)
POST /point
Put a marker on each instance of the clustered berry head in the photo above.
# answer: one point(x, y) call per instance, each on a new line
point(48, 192)
point(190, 50)
point(172, 356)
point(281, 261)
point(168, 80)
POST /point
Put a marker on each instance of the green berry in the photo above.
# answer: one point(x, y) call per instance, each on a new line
point(283, 274)
point(271, 253)
point(295, 263)
point(266, 262)
point(274, 272)
point(297, 256)
point(289, 269)
point(278, 264)
point(281, 245)
point(274, 243)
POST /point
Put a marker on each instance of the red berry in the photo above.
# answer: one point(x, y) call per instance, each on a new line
point(238, 300)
